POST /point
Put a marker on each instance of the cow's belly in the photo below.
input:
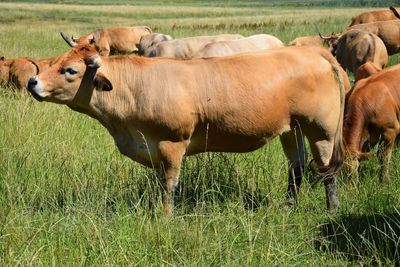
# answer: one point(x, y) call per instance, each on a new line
point(231, 142)
point(138, 148)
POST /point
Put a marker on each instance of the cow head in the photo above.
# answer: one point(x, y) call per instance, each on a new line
point(73, 77)
point(330, 40)
point(72, 42)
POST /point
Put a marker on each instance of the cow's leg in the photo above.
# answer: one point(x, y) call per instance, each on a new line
point(171, 157)
point(385, 153)
point(295, 151)
point(322, 150)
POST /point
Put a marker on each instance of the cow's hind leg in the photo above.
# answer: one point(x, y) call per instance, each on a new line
point(322, 150)
point(385, 152)
point(171, 157)
point(295, 151)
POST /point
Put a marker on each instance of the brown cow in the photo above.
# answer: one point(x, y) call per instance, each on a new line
point(375, 15)
point(252, 43)
point(159, 110)
point(356, 47)
point(372, 117)
point(16, 72)
point(147, 42)
point(186, 47)
point(366, 70)
point(113, 40)
point(388, 31)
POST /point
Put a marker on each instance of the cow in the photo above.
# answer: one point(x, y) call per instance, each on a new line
point(356, 47)
point(150, 40)
point(372, 118)
point(316, 40)
point(160, 109)
point(248, 44)
point(16, 72)
point(375, 15)
point(365, 70)
point(388, 31)
point(186, 47)
point(113, 40)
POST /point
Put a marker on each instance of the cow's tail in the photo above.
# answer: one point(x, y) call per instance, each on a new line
point(371, 53)
point(337, 158)
point(394, 10)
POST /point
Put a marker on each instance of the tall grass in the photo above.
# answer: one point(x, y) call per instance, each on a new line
point(67, 196)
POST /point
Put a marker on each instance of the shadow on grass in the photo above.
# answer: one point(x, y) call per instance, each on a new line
point(356, 237)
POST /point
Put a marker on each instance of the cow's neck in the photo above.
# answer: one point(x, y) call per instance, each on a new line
point(116, 111)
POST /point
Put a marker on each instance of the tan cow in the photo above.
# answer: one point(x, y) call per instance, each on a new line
point(159, 110)
point(187, 47)
point(356, 47)
point(252, 43)
point(372, 118)
point(147, 42)
point(16, 72)
point(113, 40)
point(388, 31)
point(366, 70)
point(375, 15)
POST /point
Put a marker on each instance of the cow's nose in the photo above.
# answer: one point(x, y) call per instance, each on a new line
point(32, 83)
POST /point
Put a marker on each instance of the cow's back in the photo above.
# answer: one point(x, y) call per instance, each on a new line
point(188, 47)
point(373, 16)
point(388, 31)
point(308, 40)
point(249, 44)
point(356, 47)
point(251, 97)
point(366, 70)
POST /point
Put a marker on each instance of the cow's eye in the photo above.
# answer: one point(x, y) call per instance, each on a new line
point(70, 71)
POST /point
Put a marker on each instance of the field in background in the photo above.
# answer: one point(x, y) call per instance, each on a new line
point(67, 196)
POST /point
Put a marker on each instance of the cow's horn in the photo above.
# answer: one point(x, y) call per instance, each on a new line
point(68, 40)
point(395, 12)
point(324, 37)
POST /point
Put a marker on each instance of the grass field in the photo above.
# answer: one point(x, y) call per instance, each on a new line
point(69, 198)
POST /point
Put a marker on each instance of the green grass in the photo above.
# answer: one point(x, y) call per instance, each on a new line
point(68, 197)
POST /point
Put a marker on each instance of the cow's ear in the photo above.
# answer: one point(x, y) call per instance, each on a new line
point(101, 82)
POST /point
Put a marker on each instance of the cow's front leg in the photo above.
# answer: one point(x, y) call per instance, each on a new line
point(171, 157)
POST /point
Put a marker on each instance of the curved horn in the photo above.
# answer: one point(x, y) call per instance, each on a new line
point(395, 12)
point(324, 37)
point(68, 40)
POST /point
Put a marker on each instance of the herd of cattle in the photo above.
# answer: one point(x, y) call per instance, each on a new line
point(229, 93)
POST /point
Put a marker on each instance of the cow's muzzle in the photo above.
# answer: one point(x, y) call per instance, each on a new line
point(32, 83)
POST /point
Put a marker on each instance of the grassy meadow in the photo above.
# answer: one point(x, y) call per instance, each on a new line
point(69, 198)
